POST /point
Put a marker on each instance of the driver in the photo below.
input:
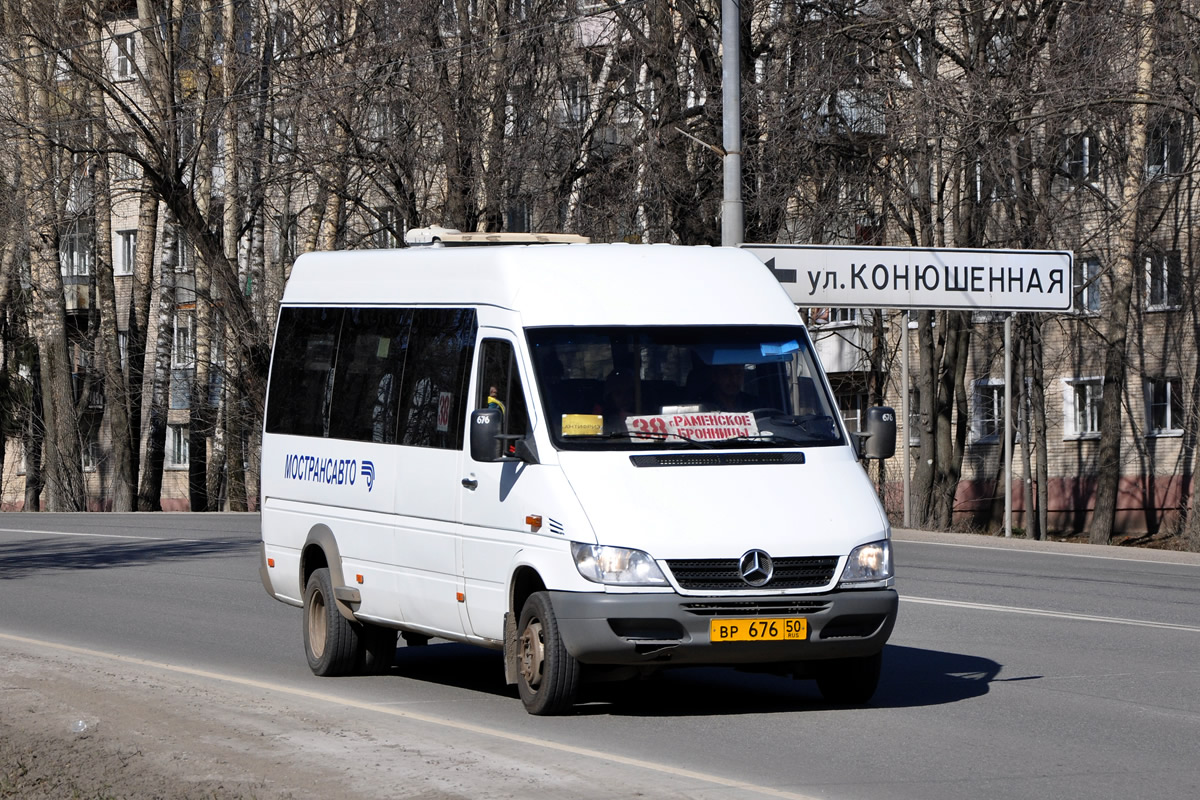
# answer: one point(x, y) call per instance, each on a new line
point(726, 392)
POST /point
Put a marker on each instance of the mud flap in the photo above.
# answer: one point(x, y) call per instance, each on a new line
point(510, 648)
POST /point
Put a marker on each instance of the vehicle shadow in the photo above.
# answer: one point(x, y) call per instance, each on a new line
point(912, 677)
point(23, 558)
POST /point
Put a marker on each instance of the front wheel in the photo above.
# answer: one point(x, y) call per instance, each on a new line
point(547, 675)
point(330, 641)
point(849, 681)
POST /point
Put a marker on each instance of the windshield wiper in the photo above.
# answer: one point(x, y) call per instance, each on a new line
point(643, 435)
point(813, 424)
point(767, 438)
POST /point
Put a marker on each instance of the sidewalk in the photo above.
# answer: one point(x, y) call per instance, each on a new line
point(1065, 548)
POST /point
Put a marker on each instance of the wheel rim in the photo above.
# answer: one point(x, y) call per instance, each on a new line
point(316, 624)
point(532, 654)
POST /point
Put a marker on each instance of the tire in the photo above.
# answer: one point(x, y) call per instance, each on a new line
point(378, 649)
point(849, 681)
point(331, 642)
point(547, 675)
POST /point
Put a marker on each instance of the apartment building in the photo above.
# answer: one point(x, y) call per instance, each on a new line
point(910, 126)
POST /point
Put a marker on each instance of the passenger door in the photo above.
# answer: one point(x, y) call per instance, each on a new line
point(432, 409)
point(496, 497)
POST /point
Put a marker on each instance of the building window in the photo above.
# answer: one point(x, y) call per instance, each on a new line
point(987, 419)
point(1087, 286)
point(284, 138)
point(992, 185)
point(183, 354)
point(183, 253)
point(123, 347)
point(1164, 147)
point(851, 405)
point(126, 252)
point(75, 250)
point(387, 234)
point(1080, 157)
point(124, 145)
point(520, 220)
point(1164, 280)
point(289, 238)
point(177, 447)
point(124, 45)
point(577, 99)
point(89, 447)
point(914, 417)
point(834, 316)
point(1164, 406)
point(1081, 407)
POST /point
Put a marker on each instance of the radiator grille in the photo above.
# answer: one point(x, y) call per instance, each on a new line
point(721, 574)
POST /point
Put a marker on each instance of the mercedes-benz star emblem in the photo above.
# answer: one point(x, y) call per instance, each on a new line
point(756, 567)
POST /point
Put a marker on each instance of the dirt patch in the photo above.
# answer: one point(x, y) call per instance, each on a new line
point(83, 724)
point(70, 729)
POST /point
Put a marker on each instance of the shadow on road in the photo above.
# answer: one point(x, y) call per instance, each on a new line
point(21, 559)
point(912, 677)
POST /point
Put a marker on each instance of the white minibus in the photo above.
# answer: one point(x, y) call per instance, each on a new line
point(601, 459)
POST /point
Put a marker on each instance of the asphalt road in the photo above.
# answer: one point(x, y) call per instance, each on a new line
point(1015, 670)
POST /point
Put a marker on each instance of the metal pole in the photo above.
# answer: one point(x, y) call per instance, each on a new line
point(905, 411)
point(1007, 425)
point(733, 228)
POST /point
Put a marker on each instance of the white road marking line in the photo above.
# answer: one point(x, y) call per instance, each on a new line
point(495, 733)
point(95, 535)
point(1038, 612)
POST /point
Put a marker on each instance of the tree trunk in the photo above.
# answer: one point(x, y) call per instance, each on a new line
point(116, 388)
point(63, 468)
point(1120, 278)
point(150, 493)
point(1038, 403)
point(139, 318)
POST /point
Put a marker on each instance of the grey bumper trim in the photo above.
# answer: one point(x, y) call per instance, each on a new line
point(634, 629)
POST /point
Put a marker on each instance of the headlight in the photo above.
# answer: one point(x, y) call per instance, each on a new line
point(869, 562)
point(616, 565)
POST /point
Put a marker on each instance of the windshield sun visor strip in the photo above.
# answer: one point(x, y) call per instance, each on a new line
point(715, 459)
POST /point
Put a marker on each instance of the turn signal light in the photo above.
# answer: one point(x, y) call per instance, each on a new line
point(534, 521)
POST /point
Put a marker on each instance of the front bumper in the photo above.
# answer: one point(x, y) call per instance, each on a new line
point(634, 629)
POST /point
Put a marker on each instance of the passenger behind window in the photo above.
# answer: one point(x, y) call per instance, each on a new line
point(493, 398)
point(726, 392)
point(620, 396)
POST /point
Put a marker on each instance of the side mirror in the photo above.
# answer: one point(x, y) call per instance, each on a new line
point(486, 427)
point(878, 441)
point(489, 445)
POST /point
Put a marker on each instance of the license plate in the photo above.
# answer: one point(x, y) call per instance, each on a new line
point(758, 629)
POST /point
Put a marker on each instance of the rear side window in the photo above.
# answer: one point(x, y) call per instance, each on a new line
point(435, 377)
point(306, 349)
point(366, 384)
point(383, 375)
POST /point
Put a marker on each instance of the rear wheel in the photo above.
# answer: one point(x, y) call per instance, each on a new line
point(849, 681)
point(330, 641)
point(547, 675)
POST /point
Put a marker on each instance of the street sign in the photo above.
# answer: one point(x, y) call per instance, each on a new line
point(921, 278)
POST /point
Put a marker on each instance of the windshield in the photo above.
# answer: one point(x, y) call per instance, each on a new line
point(682, 387)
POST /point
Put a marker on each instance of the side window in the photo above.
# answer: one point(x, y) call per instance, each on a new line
point(302, 371)
point(366, 384)
point(500, 385)
point(436, 373)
